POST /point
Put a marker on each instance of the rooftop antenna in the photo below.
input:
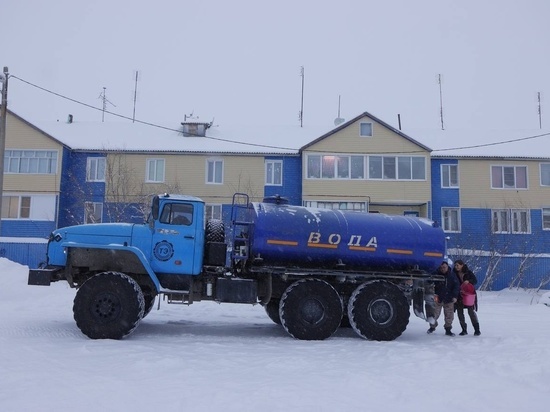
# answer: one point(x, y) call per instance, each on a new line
point(540, 111)
point(135, 96)
point(440, 102)
point(103, 97)
point(338, 120)
point(301, 114)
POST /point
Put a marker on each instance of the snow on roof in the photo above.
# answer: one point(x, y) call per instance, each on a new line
point(510, 143)
point(140, 137)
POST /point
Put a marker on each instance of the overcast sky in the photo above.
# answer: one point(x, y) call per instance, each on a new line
point(240, 60)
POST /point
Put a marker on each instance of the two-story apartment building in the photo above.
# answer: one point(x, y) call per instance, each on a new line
point(492, 200)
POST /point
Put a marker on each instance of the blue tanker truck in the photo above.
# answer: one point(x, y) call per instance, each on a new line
point(313, 270)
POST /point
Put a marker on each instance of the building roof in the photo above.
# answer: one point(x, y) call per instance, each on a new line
point(143, 137)
point(365, 114)
point(487, 144)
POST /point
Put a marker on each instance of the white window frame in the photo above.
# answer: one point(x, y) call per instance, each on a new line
point(95, 169)
point(500, 220)
point(273, 172)
point(544, 174)
point(391, 167)
point(521, 221)
point(337, 205)
point(96, 209)
point(451, 221)
point(11, 203)
point(39, 162)
point(545, 213)
point(449, 176)
point(213, 211)
point(503, 170)
point(515, 221)
point(155, 170)
point(366, 133)
point(214, 171)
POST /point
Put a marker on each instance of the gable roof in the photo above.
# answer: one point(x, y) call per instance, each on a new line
point(374, 118)
point(34, 127)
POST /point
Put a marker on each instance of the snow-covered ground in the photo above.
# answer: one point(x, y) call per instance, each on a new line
point(211, 357)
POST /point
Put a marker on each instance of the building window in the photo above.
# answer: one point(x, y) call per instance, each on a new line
point(340, 205)
point(545, 174)
point(95, 169)
point(30, 161)
point(357, 167)
point(155, 170)
point(451, 219)
point(16, 207)
point(213, 212)
point(397, 168)
point(501, 221)
point(511, 221)
point(214, 171)
point(546, 218)
point(509, 177)
point(365, 129)
point(273, 172)
point(521, 221)
point(449, 175)
point(93, 212)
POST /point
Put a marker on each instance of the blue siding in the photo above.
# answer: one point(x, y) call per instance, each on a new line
point(30, 254)
point(27, 228)
point(75, 190)
point(442, 197)
point(292, 180)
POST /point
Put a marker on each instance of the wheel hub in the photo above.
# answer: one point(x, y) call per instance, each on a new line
point(381, 311)
point(312, 311)
point(106, 306)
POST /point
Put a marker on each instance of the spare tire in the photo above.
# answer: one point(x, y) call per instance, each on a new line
point(215, 230)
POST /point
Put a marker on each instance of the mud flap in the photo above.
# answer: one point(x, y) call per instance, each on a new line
point(418, 300)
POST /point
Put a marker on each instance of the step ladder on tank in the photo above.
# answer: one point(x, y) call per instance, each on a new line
point(240, 226)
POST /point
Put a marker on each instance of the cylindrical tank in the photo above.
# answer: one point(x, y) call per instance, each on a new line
point(284, 235)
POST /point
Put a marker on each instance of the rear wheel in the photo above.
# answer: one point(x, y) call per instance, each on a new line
point(109, 305)
point(272, 310)
point(149, 303)
point(310, 309)
point(378, 310)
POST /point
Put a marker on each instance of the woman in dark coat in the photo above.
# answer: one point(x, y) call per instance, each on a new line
point(465, 276)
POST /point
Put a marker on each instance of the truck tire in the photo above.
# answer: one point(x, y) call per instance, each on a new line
point(378, 310)
point(149, 303)
point(310, 309)
point(109, 305)
point(215, 231)
point(272, 310)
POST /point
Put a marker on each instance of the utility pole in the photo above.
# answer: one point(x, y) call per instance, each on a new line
point(135, 98)
point(3, 113)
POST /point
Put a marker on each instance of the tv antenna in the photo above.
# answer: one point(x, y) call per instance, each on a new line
point(540, 111)
point(135, 96)
point(103, 97)
point(440, 102)
point(301, 114)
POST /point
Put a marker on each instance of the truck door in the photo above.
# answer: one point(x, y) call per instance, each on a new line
point(174, 239)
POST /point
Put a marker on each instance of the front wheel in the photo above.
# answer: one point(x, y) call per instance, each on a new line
point(109, 305)
point(378, 310)
point(310, 309)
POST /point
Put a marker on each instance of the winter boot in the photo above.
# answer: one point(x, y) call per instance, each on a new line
point(448, 332)
point(464, 330)
point(476, 328)
point(431, 330)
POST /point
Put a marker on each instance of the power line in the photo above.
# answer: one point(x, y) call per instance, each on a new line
point(270, 146)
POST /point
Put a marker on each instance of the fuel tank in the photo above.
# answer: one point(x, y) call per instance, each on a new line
point(285, 235)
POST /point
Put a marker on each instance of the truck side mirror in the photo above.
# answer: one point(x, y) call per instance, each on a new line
point(155, 207)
